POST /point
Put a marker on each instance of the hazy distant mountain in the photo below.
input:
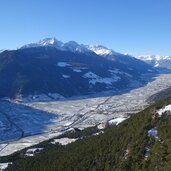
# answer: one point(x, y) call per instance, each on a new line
point(67, 69)
point(157, 61)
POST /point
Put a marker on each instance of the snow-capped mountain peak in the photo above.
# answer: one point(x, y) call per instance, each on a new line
point(45, 42)
point(69, 46)
point(50, 41)
point(100, 50)
point(72, 46)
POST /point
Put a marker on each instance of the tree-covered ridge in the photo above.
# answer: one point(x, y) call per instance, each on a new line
point(120, 148)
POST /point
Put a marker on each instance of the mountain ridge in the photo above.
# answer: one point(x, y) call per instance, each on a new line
point(72, 46)
point(68, 69)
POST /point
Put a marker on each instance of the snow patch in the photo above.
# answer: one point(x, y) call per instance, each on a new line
point(66, 76)
point(91, 75)
point(156, 64)
point(116, 121)
point(153, 132)
point(101, 126)
point(147, 153)
point(97, 79)
point(98, 133)
point(107, 81)
point(32, 151)
point(63, 141)
point(126, 153)
point(163, 110)
point(4, 166)
point(63, 64)
point(77, 70)
point(117, 71)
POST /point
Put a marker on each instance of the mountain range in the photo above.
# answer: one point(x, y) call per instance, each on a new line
point(157, 61)
point(56, 69)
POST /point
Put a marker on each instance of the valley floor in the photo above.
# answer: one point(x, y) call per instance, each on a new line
point(26, 124)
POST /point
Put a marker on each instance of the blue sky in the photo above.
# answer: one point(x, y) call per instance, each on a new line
point(127, 26)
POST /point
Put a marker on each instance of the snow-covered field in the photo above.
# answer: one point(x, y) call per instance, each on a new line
point(28, 123)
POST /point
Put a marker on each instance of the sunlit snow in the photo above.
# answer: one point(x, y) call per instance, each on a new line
point(63, 141)
point(116, 121)
point(3, 166)
point(165, 109)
